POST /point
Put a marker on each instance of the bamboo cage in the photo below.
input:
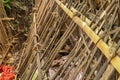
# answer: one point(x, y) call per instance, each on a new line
point(72, 40)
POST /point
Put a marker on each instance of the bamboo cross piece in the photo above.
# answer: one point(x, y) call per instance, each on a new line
point(7, 19)
point(115, 61)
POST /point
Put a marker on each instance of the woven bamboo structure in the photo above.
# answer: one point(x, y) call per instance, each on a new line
point(74, 39)
point(87, 34)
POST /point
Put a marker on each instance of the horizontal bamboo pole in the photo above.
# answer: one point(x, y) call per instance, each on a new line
point(7, 19)
point(115, 61)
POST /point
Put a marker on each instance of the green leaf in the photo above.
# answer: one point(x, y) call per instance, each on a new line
point(35, 75)
point(7, 6)
point(5, 1)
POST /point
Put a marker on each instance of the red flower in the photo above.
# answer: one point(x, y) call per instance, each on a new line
point(7, 73)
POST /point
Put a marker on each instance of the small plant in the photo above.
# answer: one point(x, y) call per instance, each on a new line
point(6, 3)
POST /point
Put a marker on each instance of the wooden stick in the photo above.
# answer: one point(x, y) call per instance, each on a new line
point(7, 19)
